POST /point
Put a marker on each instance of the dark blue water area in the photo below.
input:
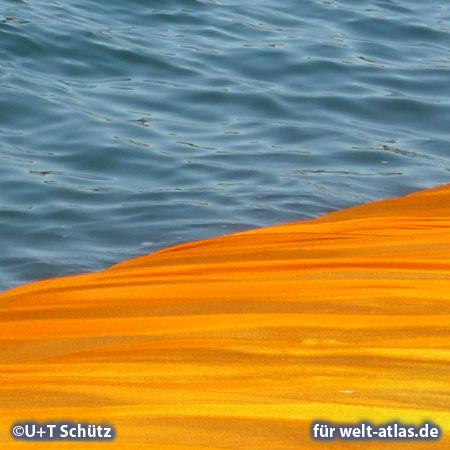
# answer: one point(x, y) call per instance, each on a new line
point(129, 126)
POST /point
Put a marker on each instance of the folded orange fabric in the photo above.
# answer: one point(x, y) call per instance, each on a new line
point(242, 341)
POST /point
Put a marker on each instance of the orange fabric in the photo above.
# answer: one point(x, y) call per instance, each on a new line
point(241, 341)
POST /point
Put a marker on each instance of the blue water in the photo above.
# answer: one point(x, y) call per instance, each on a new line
point(129, 126)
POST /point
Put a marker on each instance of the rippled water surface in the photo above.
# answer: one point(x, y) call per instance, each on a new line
point(129, 126)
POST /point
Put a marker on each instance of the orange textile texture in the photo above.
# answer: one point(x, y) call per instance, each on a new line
point(242, 341)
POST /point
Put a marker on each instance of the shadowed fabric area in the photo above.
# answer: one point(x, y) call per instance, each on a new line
point(241, 341)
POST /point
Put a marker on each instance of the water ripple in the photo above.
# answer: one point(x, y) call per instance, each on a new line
point(130, 126)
